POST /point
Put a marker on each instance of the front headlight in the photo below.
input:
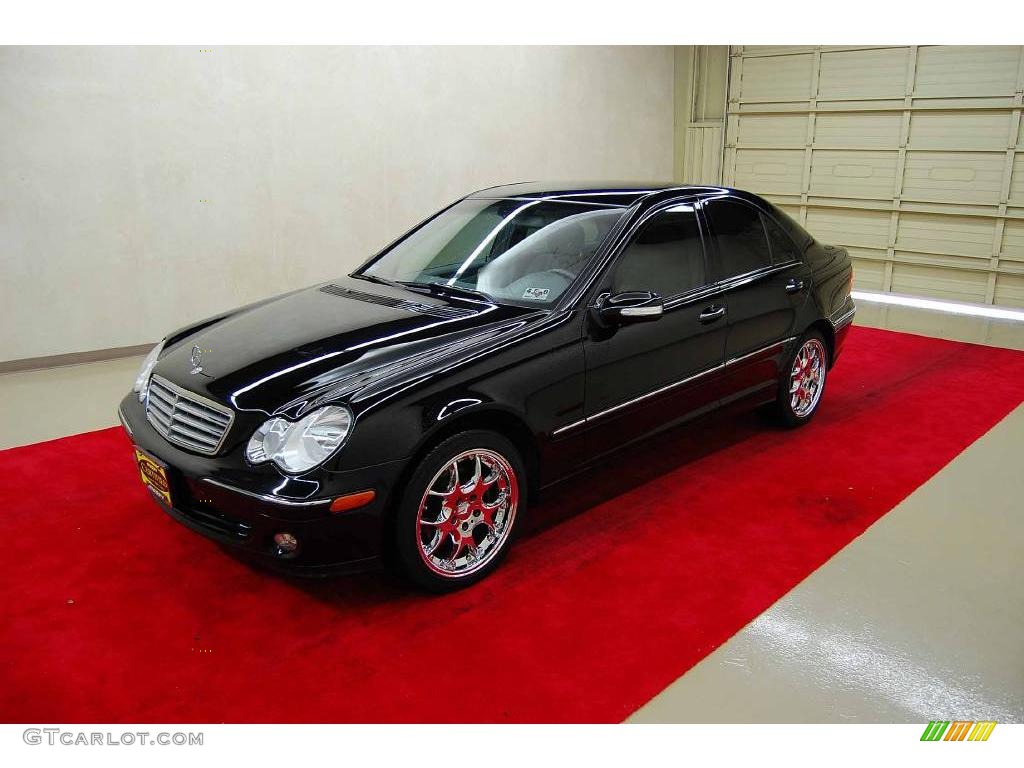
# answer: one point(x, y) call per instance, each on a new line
point(142, 380)
point(296, 446)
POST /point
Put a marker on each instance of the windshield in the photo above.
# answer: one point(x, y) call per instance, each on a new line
point(527, 251)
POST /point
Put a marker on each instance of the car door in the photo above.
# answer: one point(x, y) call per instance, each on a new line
point(763, 287)
point(645, 376)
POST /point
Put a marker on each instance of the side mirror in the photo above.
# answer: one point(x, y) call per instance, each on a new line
point(629, 307)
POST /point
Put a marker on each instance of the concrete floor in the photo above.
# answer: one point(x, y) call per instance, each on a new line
point(920, 618)
point(976, 330)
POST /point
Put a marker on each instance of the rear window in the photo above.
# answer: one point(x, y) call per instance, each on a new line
point(740, 236)
point(782, 246)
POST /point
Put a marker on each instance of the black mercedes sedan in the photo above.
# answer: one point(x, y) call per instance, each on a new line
point(407, 413)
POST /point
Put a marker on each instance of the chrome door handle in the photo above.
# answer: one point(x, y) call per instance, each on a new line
point(794, 286)
point(712, 313)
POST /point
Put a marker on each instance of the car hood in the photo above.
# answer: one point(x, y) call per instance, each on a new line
point(327, 342)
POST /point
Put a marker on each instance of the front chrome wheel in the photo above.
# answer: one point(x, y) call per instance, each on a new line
point(466, 513)
point(807, 379)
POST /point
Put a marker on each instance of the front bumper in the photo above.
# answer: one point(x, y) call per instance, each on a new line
point(225, 500)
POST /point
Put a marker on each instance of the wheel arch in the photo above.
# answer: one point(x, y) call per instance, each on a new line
point(489, 417)
point(824, 327)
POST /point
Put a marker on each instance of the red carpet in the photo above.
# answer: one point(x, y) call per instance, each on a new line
point(628, 577)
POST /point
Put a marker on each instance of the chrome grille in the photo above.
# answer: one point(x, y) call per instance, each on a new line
point(185, 418)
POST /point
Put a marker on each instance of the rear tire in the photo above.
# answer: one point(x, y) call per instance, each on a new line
point(802, 383)
point(455, 520)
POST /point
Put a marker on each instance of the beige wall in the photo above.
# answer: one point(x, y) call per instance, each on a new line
point(141, 188)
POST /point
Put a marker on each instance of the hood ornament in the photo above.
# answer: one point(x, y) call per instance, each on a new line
point(197, 359)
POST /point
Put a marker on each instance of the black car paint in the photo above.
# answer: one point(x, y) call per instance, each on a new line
point(553, 380)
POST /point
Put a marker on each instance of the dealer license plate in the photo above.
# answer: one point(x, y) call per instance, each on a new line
point(154, 475)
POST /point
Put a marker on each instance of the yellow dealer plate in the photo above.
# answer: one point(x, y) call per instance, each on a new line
point(154, 475)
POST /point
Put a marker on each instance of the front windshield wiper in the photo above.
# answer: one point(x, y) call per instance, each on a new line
point(440, 288)
point(375, 279)
point(435, 287)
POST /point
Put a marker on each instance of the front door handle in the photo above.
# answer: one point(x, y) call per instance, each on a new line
point(794, 286)
point(712, 313)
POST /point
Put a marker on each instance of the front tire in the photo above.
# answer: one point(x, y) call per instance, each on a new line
point(456, 517)
point(803, 381)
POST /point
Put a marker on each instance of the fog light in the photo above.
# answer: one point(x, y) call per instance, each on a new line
point(286, 543)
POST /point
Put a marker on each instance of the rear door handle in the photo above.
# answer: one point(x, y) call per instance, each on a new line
point(794, 286)
point(712, 313)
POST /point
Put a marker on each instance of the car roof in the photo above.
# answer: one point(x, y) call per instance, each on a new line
point(615, 193)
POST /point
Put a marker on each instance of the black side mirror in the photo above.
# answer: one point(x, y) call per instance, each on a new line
point(629, 307)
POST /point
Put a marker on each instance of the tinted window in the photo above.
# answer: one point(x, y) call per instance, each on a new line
point(783, 249)
point(740, 236)
point(666, 256)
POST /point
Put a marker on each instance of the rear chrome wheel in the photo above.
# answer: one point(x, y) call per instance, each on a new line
point(803, 381)
point(807, 379)
point(467, 512)
point(457, 514)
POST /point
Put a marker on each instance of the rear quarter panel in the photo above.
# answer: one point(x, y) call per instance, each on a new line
point(832, 272)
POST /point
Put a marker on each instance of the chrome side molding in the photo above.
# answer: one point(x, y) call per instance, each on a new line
point(668, 387)
point(844, 319)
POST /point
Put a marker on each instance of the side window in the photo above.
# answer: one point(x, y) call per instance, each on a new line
point(783, 249)
point(742, 246)
point(666, 256)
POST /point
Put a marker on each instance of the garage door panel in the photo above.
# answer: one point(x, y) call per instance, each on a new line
point(965, 70)
point(773, 130)
point(868, 274)
point(863, 74)
point(1013, 240)
point(1010, 290)
point(758, 50)
point(939, 283)
point(954, 177)
point(770, 171)
point(870, 174)
point(1017, 179)
point(777, 78)
point(964, 130)
point(939, 234)
point(849, 227)
point(869, 105)
point(879, 130)
point(915, 162)
point(941, 260)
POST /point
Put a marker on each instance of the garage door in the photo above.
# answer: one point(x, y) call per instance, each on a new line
point(912, 157)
